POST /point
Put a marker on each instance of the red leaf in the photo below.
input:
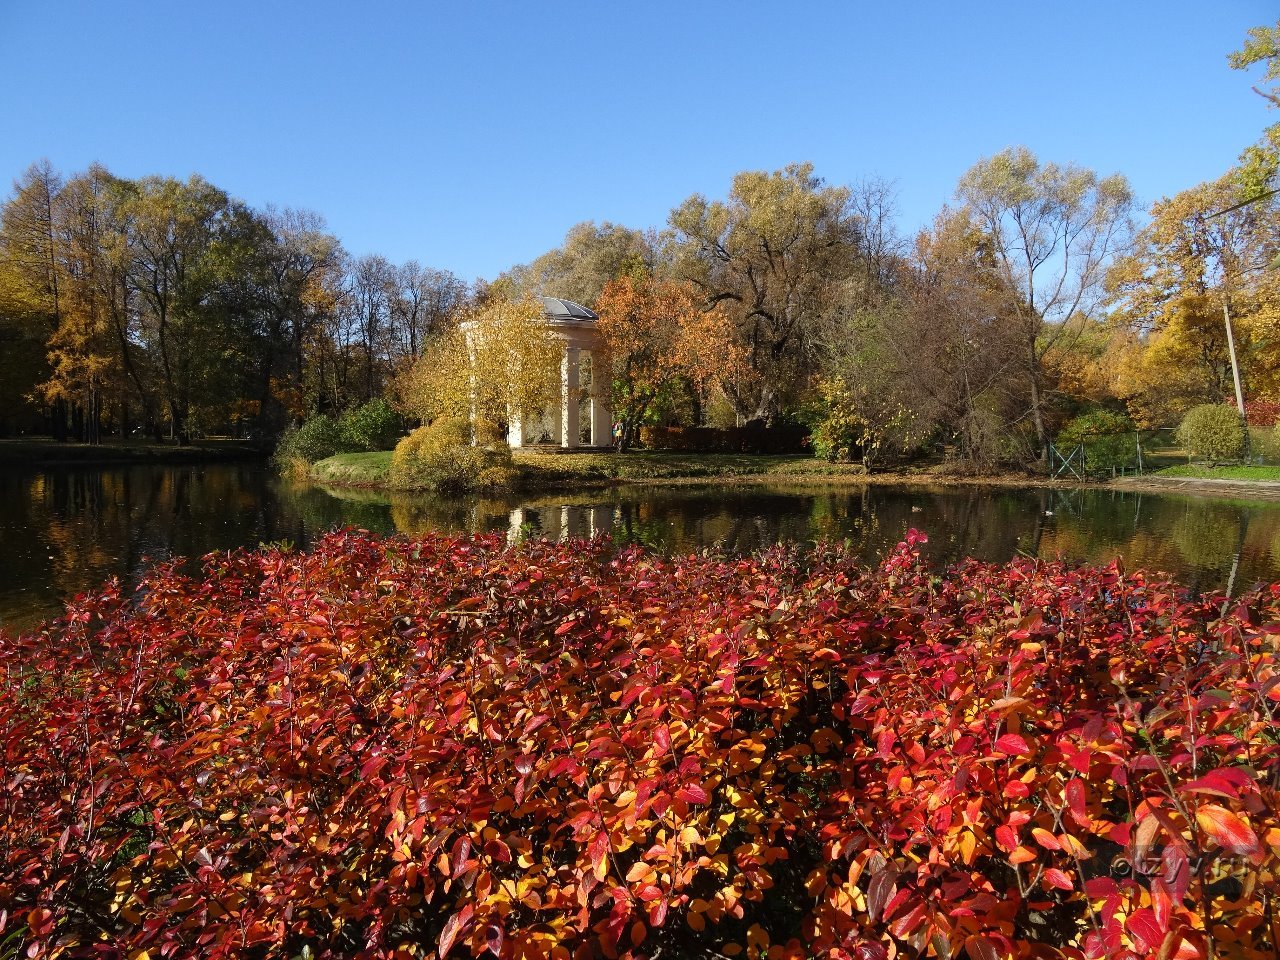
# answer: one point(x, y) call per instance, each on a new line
point(493, 937)
point(909, 922)
point(662, 737)
point(452, 927)
point(1007, 837)
point(882, 887)
point(1076, 801)
point(1012, 745)
point(692, 793)
point(1099, 887)
point(1223, 782)
point(1056, 878)
point(982, 948)
point(1227, 830)
point(459, 854)
point(1145, 930)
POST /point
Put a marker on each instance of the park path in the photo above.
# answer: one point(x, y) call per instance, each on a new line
point(1202, 486)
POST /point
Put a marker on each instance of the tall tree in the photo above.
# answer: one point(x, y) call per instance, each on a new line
point(1203, 252)
point(953, 345)
point(30, 292)
point(1054, 230)
point(777, 256)
point(85, 357)
point(422, 300)
point(173, 225)
point(1261, 162)
point(591, 255)
point(372, 282)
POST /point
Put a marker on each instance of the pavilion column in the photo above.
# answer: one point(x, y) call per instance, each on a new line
point(569, 425)
point(601, 415)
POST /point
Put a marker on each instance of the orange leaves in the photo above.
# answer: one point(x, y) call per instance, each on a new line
point(1227, 830)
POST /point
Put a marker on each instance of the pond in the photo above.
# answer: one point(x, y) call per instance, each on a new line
point(66, 530)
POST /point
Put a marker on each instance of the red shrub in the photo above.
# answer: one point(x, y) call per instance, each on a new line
point(754, 437)
point(1262, 413)
point(394, 748)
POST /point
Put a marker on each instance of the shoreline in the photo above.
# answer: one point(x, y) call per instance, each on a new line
point(42, 453)
point(1199, 486)
point(561, 474)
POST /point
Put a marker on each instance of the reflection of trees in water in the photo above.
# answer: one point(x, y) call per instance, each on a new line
point(68, 530)
point(65, 531)
point(419, 515)
point(1199, 540)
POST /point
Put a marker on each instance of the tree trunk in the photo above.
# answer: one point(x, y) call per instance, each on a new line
point(1037, 415)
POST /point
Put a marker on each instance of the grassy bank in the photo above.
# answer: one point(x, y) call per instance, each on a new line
point(45, 452)
point(1196, 471)
point(585, 471)
point(555, 471)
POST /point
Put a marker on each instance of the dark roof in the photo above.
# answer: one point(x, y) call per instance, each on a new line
point(558, 309)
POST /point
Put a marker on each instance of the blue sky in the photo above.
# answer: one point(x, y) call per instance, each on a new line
point(472, 136)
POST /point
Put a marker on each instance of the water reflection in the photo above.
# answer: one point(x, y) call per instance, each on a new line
point(64, 531)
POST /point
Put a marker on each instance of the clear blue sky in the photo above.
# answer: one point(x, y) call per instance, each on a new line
point(471, 136)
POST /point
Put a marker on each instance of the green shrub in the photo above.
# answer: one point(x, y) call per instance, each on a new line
point(1213, 432)
point(373, 426)
point(1107, 437)
point(317, 438)
point(855, 422)
point(1264, 444)
point(442, 459)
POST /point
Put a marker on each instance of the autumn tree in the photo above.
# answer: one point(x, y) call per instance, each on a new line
point(86, 357)
point(952, 344)
point(1053, 232)
point(1204, 252)
point(300, 273)
point(777, 256)
point(1260, 162)
point(661, 341)
point(172, 226)
point(500, 362)
point(578, 270)
point(30, 293)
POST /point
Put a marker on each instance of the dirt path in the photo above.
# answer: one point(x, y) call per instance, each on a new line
point(1202, 487)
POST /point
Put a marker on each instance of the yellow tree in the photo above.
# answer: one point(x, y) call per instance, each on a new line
point(500, 361)
point(1202, 253)
point(30, 296)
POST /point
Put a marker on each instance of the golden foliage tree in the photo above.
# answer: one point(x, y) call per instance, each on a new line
point(1202, 252)
point(500, 361)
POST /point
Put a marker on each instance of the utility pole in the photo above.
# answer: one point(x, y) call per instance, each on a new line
point(1235, 376)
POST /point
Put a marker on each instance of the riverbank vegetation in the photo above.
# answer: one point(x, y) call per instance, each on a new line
point(1240, 472)
point(450, 746)
point(534, 470)
point(1040, 297)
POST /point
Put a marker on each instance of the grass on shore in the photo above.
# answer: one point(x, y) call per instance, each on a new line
point(553, 470)
point(1199, 471)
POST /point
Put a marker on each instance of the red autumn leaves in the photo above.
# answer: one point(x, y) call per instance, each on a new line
point(395, 748)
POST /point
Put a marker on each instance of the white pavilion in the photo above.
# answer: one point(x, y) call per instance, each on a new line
point(582, 418)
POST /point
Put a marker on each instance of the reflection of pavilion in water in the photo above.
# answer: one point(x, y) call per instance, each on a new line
point(563, 521)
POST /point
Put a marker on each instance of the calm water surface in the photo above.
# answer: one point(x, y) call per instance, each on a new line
point(65, 530)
